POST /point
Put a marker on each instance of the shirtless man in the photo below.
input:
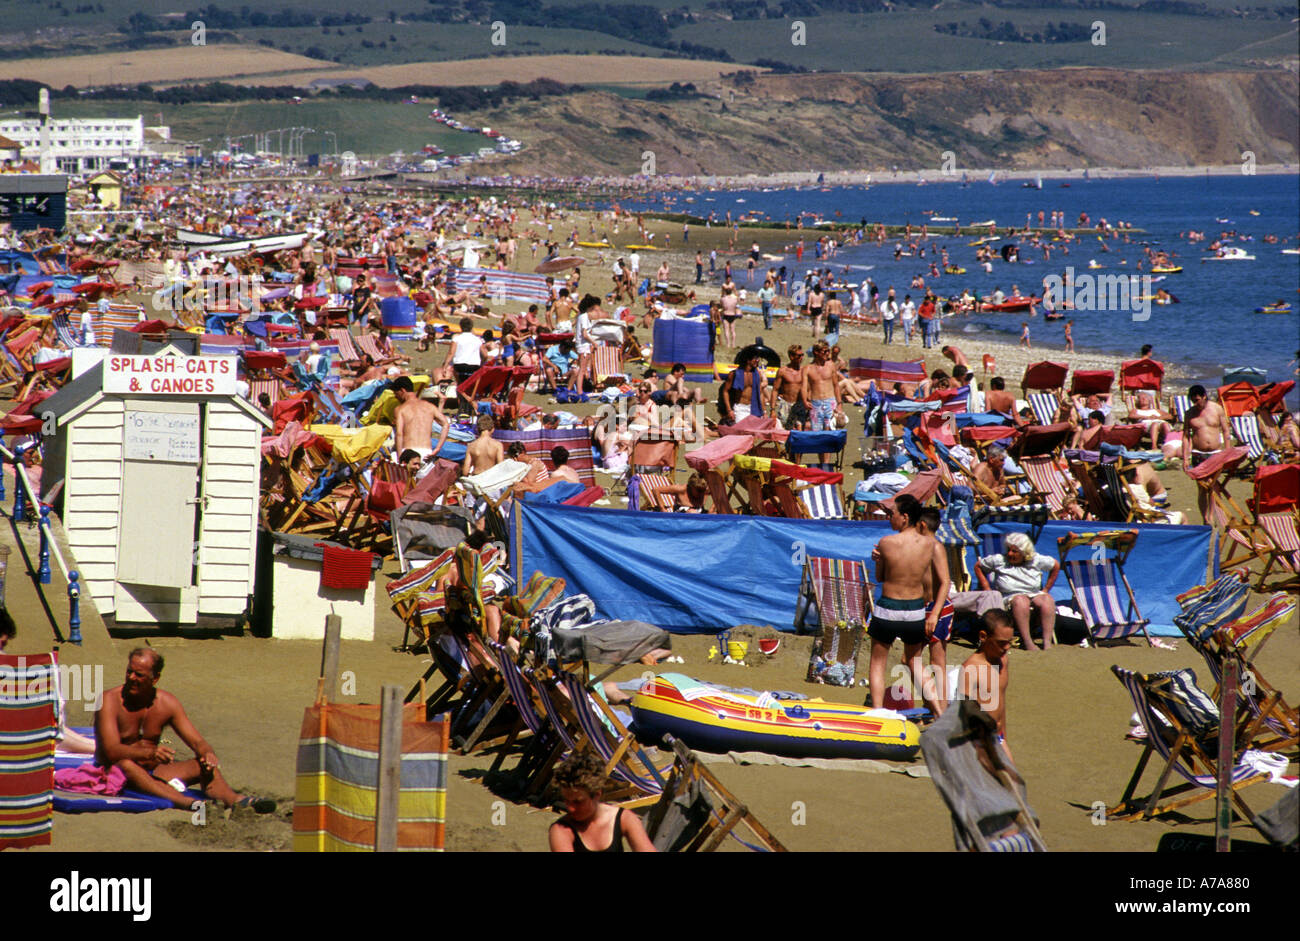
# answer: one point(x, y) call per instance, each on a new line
point(1205, 432)
point(957, 356)
point(129, 728)
point(987, 665)
point(904, 562)
point(484, 452)
point(414, 418)
point(991, 471)
point(834, 310)
point(739, 392)
point(819, 380)
point(999, 399)
point(787, 401)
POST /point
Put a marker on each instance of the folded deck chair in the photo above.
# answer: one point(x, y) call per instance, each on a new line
point(1102, 593)
point(696, 813)
point(841, 591)
point(1181, 722)
point(29, 724)
point(974, 775)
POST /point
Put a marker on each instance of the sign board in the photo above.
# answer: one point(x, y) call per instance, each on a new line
point(162, 436)
point(170, 375)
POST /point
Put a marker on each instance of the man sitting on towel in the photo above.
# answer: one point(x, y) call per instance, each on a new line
point(129, 728)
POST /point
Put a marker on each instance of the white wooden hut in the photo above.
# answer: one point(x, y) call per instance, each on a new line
point(159, 458)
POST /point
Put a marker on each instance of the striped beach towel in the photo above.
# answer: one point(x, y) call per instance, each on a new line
point(29, 701)
point(338, 770)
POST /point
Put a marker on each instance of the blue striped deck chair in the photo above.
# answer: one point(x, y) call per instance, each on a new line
point(1179, 405)
point(29, 723)
point(1246, 429)
point(1269, 723)
point(532, 772)
point(1033, 516)
point(605, 733)
point(1127, 509)
point(1102, 593)
point(1206, 608)
point(67, 334)
point(822, 502)
point(1045, 406)
point(1181, 721)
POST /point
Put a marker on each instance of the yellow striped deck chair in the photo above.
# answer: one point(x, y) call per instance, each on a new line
point(338, 772)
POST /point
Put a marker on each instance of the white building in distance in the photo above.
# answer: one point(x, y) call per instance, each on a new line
point(80, 145)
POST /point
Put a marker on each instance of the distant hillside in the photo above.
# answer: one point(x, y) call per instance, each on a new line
point(1029, 119)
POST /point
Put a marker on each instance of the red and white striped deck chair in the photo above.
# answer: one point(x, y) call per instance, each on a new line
point(648, 495)
point(258, 386)
point(369, 344)
point(842, 592)
point(347, 349)
point(607, 361)
point(1050, 483)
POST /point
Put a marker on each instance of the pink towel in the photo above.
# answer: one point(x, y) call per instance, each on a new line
point(91, 779)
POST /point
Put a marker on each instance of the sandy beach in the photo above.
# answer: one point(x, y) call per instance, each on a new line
point(1067, 715)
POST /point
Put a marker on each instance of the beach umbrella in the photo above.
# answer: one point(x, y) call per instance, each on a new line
point(758, 348)
point(561, 263)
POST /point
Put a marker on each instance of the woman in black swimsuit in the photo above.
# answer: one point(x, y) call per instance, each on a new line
point(592, 826)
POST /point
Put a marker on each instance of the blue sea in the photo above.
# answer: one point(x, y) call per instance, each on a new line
point(1213, 327)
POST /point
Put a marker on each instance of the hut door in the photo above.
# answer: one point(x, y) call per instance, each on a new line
point(159, 494)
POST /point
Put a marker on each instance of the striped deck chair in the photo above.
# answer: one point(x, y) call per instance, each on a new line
point(1269, 724)
point(532, 772)
point(1096, 584)
point(625, 764)
point(607, 361)
point(1050, 483)
point(369, 344)
point(272, 388)
point(29, 723)
point(1045, 406)
point(1127, 509)
point(841, 591)
point(1246, 430)
point(1179, 405)
point(416, 600)
point(1206, 608)
point(1178, 718)
point(67, 334)
point(1282, 551)
point(822, 502)
point(648, 495)
point(347, 348)
point(337, 781)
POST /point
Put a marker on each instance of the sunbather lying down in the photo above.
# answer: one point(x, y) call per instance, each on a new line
point(129, 727)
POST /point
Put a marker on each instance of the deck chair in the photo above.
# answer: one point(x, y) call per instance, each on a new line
point(626, 765)
point(696, 813)
point(29, 726)
point(348, 351)
point(984, 792)
point(1246, 430)
point(1212, 476)
point(1096, 584)
point(817, 442)
point(606, 362)
point(841, 591)
point(1267, 723)
point(822, 502)
point(532, 772)
point(1051, 484)
point(1127, 508)
point(648, 495)
point(1181, 721)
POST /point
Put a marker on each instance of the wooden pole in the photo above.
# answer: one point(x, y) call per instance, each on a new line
point(329, 663)
point(388, 786)
point(1227, 725)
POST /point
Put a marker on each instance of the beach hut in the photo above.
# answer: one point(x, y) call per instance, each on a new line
point(158, 456)
point(106, 187)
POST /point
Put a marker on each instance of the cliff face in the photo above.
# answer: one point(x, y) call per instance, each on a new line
point(1015, 119)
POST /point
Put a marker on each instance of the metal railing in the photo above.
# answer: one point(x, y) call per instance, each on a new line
point(48, 547)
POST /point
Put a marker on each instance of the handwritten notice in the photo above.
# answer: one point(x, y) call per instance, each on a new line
point(162, 436)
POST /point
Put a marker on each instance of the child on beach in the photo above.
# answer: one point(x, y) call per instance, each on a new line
point(1069, 336)
point(1024, 334)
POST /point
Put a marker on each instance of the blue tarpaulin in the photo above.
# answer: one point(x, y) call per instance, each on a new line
point(701, 573)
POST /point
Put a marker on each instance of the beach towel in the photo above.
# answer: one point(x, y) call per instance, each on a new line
point(90, 778)
point(338, 770)
point(758, 383)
